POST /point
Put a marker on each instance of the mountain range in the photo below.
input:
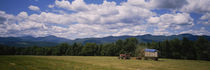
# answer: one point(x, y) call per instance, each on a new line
point(51, 40)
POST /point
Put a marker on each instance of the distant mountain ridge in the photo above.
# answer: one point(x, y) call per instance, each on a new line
point(32, 41)
point(53, 40)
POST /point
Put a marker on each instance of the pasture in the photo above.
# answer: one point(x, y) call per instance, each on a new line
point(96, 63)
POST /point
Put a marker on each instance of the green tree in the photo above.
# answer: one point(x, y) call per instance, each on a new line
point(108, 50)
point(89, 49)
point(130, 45)
point(202, 47)
point(119, 47)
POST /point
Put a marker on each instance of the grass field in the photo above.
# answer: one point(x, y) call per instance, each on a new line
point(96, 63)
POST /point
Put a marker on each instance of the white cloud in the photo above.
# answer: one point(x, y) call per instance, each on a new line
point(2, 12)
point(108, 12)
point(205, 16)
point(77, 5)
point(201, 31)
point(172, 21)
point(47, 17)
point(133, 17)
point(170, 4)
point(63, 4)
point(205, 19)
point(51, 6)
point(198, 6)
point(22, 16)
point(34, 8)
point(162, 32)
point(154, 20)
point(157, 4)
point(9, 16)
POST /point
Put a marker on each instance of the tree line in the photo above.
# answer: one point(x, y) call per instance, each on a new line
point(176, 49)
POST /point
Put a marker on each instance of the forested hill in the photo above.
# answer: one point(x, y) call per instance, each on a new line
point(53, 40)
point(141, 38)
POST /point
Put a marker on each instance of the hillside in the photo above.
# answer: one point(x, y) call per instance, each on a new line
point(53, 40)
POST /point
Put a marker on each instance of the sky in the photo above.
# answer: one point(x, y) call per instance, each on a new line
point(100, 18)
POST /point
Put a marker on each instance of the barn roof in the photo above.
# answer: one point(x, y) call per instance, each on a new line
point(150, 50)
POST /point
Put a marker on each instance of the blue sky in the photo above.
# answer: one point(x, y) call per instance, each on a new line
point(100, 18)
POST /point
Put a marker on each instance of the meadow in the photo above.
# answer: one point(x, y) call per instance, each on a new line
point(96, 63)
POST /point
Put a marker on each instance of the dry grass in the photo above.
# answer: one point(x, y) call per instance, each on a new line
point(96, 63)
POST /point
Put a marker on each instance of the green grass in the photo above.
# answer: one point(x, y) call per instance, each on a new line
point(96, 63)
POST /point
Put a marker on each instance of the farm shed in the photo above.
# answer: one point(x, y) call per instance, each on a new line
point(148, 54)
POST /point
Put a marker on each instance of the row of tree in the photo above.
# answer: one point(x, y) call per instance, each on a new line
point(76, 49)
point(183, 49)
point(177, 49)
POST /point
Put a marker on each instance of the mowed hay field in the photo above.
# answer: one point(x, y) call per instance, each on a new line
point(96, 63)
